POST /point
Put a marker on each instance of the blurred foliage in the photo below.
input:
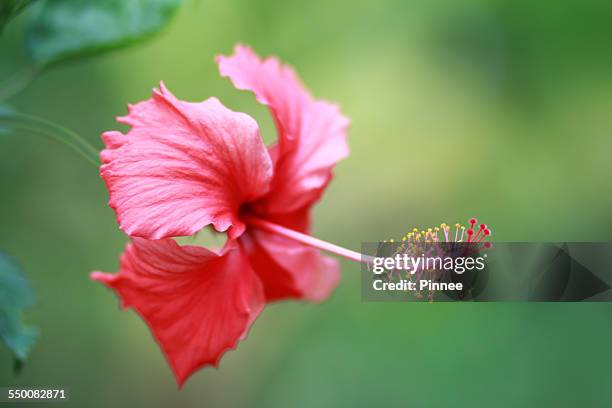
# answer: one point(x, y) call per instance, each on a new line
point(15, 295)
point(66, 29)
point(448, 122)
point(526, 50)
point(61, 30)
point(11, 8)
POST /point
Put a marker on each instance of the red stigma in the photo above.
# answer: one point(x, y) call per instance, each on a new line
point(479, 235)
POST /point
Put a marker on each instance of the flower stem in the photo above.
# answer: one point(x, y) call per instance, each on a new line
point(308, 240)
point(18, 82)
point(18, 121)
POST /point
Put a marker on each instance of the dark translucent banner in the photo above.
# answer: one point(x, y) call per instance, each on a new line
point(511, 271)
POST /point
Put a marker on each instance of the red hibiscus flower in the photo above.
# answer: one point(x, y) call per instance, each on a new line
point(184, 166)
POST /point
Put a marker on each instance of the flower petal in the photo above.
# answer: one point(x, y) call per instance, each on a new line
point(183, 166)
point(312, 133)
point(289, 269)
point(197, 303)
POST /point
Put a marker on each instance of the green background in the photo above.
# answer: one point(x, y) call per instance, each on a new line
point(494, 109)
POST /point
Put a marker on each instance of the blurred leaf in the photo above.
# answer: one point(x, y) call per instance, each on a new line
point(9, 10)
point(15, 295)
point(64, 29)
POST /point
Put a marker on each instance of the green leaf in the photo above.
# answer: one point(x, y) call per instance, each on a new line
point(9, 10)
point(65, 29)
point(15, 295)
